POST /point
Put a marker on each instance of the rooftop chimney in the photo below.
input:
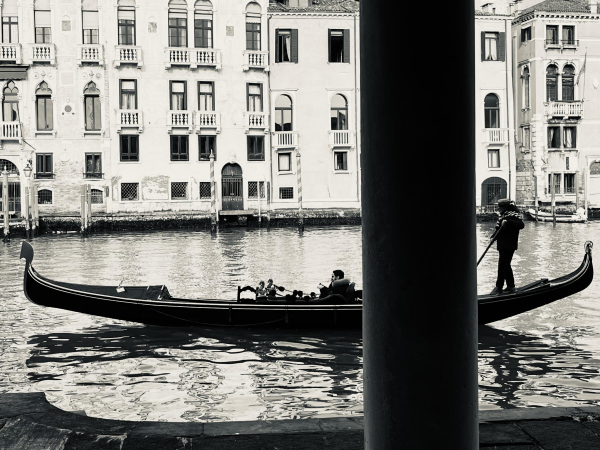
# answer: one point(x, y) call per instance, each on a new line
point(486, 7)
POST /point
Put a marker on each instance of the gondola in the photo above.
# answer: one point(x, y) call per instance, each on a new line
point(542, 216)
point(154, 306)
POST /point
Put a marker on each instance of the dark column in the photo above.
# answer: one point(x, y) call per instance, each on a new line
point(418, 205)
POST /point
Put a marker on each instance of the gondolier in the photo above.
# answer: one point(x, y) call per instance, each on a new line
point(507, 243)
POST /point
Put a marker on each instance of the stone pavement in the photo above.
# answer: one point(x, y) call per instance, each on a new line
point(29, 422)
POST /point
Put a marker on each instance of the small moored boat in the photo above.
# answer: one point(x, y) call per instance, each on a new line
point(153, 304)
point(560, 218)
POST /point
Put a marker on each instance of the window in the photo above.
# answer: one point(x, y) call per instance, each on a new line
point(90, 27)
point(286, 45)
point(284, 162)
point(93, 166)
point(177, 23)
point(128, 99)
point(340, 160)
point(206, 96)
point(254, 97)
point(339, 46)
point(254, 187)
point(551, 78)
point(43, 165)
point(569, 183)
point(491, 46)
point(568, 90)
point(179, 148)
point(92, 108)
point(10, 29)
point(43, 100)
point(595, 168)
point(10, 103)
point(569, 137)
point(491, 107)
point(256, 148)
point(526, 101)
point(253, 16)
point(283, 113)
point(526, 137)
point(339, 112)
point(178, 95)
point(286, 193)
point(568, 35)
point(551, 34)
point(556, 184)
point(567, 163)
point(206, 145)
point(494, 158)
point(42, 20)
point(179, 191)
point(525, 34)
point(553, 137)
point(126, 18)
point(44, 197)
point(129, 191)
point(97, 198)
point(129, 147)
point(205, 190)
point(203, 23)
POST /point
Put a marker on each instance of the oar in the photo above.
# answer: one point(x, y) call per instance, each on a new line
point(491, 242)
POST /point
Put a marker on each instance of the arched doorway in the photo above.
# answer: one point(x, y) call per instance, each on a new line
point(492, 190)
point(232, 193)
point(14, 188)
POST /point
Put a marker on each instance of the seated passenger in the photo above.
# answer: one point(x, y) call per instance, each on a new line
point(338, 284)
point(260, 290)
point(271, 288)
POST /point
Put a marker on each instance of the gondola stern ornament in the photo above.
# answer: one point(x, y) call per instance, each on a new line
point(26, 252)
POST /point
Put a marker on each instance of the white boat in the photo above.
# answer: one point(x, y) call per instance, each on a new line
point(578, 217)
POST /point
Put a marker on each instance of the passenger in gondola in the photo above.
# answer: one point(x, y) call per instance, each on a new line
point(260, 290)
point(338, 284)
point(271, 288)
point(507, 243)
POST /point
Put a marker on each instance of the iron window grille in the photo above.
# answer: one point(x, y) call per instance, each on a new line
point(261, 186)
point(179, 148)
point(256, 148)
point(97, 198)
point(205, 190)
point(44, 197)
point(129, 148)
point(129, 191)
point(286, 193)
point(179, 191)
point(206, 144)
point(252, 189)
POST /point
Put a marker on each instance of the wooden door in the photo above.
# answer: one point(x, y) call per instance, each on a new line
point(232, 193)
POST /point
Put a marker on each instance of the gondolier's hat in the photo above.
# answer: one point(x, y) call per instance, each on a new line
point(504, 202)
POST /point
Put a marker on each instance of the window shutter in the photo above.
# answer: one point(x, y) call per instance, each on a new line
point(170, 95)
point(501, 46)
point(212, 85)
point(574, 137)
point(247, 97)
point(185, 95)
point(277, 45)
point(261, 97)
point(346, 46)
point(329, 45)
point(136, 93)
point(483, 45)
point(295, 45)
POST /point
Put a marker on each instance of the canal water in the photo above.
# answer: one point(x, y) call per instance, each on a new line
point(120, 370)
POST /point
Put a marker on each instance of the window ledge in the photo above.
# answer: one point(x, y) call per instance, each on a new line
point(286, 173)
point(179, 162)
point(180, 200)
point(495, 169)
point(50, 132)
point(342, 171)
point(129, 162)
point(130, 201)
point(255, 160)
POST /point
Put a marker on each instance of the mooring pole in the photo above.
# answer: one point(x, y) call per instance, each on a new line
point(89, 206)
point(26, 218)
point(258, 196)
point(82, 195)
point(5, 203)
point(585, 190)
point(299, 174)
point(576, 191)
point(535, 188)
point(553, 197)
point(35, 217)
point(213, 218)
point(268, 204)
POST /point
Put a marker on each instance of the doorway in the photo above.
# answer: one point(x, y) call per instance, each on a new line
point(232, 193)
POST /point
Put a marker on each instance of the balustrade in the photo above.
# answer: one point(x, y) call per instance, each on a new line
point(10, 131)
point(179, 119)
point(256, 120)
point(286, 139)
point(11, 52)
point(43, 53)
point(208, 119)
point(495, 135)
point(90, 53)
point(129, 118)
point(256, 60)
point(341, 138)
point(127, 54)
point(574, 108)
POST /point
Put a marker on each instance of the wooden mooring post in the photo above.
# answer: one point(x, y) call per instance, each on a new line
point(536, 204)
point(5, 204)
point(576, 191)
point(268, 204)
point(552, 192)
point(26, 219)
point(299, 173)
point(35, 218)
point(213, 190)
point(86, 208)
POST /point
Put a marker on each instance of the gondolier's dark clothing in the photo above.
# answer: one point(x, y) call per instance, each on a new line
point(336, 287)
point(505, 272)
point(507, 243)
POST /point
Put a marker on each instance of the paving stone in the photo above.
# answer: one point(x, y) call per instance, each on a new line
point(339, 424)
point(561, 434)
point(157, 442)
point(512, 447)
point(85, 424)
point(511, 415)
point(592, 425)
point(181, 429)
point(502, 433)
point(261, 427)
point(22, 433)
point(13, 405)
point(81, 441)
point(352, 440)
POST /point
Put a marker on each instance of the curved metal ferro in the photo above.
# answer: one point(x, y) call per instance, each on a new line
point(26, 252)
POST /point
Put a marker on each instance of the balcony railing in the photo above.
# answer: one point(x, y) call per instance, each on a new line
point(256, 60)
point(561, 43)
point(574, 108)
point(207, 119)
point(257, 120)
point(43, 53)
point(11, 52)
point(11, 131)
point(495, 135)
point(43, 175)
point(128, 54)
point(90, 53)
point(341, 138)
point(206, 57)
point(179, 119)
point(129, 118)
point(285, 139)
point(93, 175)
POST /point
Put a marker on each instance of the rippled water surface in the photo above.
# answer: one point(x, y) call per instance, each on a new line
point(120, 370)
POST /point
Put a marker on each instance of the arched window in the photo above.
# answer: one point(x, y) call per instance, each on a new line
point(126, 17)
point(283, 113)
point(526, 103)
point(90, 21)
point(91, 96)
point(339, 112)
point(43, 103)
point(44, 197)
point(568, 91)
point(10, 167)
point(551, 78)
point(491, 106)
point(177, 23)
point(595, 168)
point(42, 21)
point(10, 103)
point(203, 28)
point(97, 196)
point(253, 14)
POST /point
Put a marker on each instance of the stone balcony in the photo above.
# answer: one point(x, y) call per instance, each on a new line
point(282, 139)
point(11, 53)
point(256, 60)
point(207, 120)
point(130, 118)
point(43, 53)
point(11, 131)
point(128, 54)
point(254, 120)
point(495, 135)
point(564, 109)
point(192, 57)
point(180, 119)
point(341, 138)
point(90, 53)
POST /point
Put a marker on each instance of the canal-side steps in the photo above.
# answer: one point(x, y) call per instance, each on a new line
point(28, 421)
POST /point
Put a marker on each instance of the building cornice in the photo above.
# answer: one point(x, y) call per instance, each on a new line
point(556, 15)
point(313, 14)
